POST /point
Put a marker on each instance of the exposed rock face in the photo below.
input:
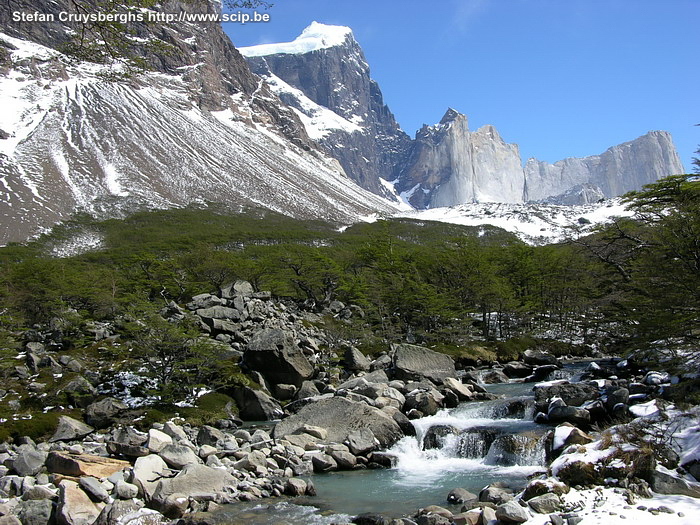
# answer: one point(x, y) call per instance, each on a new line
point(451, 165)
point(620, 169)
point(341, 418)
point(413, 362)
point(324, 76)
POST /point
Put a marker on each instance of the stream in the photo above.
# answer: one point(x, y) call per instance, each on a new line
point(470, 446)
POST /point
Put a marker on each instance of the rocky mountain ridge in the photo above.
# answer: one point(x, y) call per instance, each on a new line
point(446, 164)
point(197, 127)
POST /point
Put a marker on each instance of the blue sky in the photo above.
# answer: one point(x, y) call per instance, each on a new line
point(560, 78)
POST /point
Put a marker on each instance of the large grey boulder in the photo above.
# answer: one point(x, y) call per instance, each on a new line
point(147, 473)
point(70, 429)
point(195, 480)
point(411, 362)
point(103, 413)
point(256, 405)
point(341, 417)
point(36, 512)
point(178, 456)
point(29, 461)
point(665, 481)
point(512, 512)
point(356, 360)
point(273, 353)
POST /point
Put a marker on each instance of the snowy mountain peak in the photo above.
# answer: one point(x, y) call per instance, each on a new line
point(315, 37)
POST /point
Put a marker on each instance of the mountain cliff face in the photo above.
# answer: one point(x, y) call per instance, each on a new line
point(451, 165)
point(198, 127)
point(620, 169)
point(324, 76)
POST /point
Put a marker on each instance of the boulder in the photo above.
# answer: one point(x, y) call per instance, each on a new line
point(573, 394)
point(496, 493)
point(295, 487)
point(29, 461)
point(576, 416)
point(272, 352)
point(70, 429)
point(178, 456)
point(323, 463)
point(512, 512)
point(361, 441)
point(35, 512)
point(411, 362)
point(464, 393)
point(665, 481)
point(157, 440)
point(147, 473)
point(341, 417)
point(539, 357)
point(494, 377)
point(103, 413)
point(84, 465)
point(538, 487)
point(545, 504)
point(517, 370)
point(93, 488)
point(256, 405)
point(355, 360)
point(194, 480)
point(238, 288)
point(74, 506)
point(424, 401)
point(460, 495)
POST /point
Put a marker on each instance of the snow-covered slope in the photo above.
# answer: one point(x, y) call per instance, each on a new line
point(76, 141)
point(532, 223)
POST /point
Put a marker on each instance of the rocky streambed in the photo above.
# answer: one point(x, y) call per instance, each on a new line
point(438, 443)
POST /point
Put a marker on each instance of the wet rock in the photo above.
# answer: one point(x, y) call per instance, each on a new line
point(460, 495)
point(323, 463)
point(361, 441)
point(412, 362)
point(541, 373)
point(295, 487)
point(344, 460)
point(517, 370)
point(70, 429)
point(370, 518)
point(538, 358)
point(493, 377)
point(428, 402)
point(573, 394)
point(463, 392)
point(575, 416)
point(496, 493)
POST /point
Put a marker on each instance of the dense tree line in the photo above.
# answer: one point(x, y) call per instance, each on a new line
point(634, 283)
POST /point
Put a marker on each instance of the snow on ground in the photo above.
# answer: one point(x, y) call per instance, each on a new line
point(315, 37)
point(607, 506)
point(533, 223)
